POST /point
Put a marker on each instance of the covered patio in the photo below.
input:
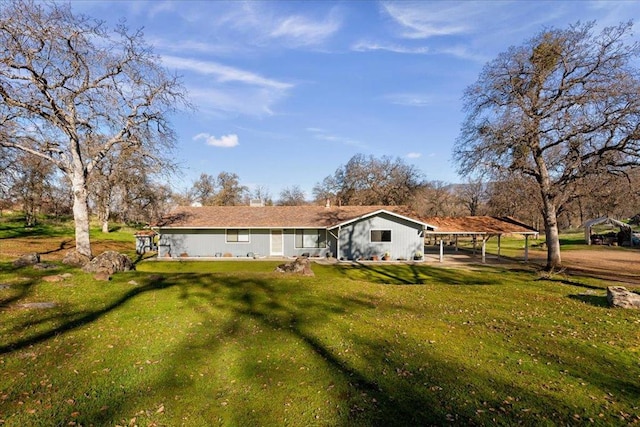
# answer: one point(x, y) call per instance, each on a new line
point(479, 228)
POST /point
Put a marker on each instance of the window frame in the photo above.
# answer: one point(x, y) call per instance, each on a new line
point(382, 233)
point(238, 235)
point(321, 243)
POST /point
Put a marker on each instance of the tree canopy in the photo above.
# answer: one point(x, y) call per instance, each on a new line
point(560, 108)
point(367, 180)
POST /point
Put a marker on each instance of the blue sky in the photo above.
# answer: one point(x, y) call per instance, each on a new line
point(288, 91)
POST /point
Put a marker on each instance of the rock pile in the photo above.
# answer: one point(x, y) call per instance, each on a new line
point(32, 258)
point(109, 262)
point(75, 259)
point(299, 266)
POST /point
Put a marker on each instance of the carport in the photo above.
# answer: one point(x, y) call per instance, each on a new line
point(480, 228)
point(625, 231)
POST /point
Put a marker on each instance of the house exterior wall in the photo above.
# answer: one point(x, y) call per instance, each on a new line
point(407, 238)
point(174, 243)
point(355, 241)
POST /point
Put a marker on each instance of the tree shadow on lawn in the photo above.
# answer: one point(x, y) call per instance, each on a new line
point(74, 320)
point(19, 291)
point(434, 392)
point(595, 300)
point(421, 387)
point(414, 274)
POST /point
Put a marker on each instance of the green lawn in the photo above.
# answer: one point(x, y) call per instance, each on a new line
point(232, 343)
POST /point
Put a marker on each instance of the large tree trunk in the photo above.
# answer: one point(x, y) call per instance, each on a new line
point(551, 232)
point(105, 219)
point(549, 211)
point(81, 213)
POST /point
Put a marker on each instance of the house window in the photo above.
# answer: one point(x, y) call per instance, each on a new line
point(311, 238)
point(237, 236)
point(378, 236)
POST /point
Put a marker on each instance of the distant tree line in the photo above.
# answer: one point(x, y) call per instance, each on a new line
point(127, 194)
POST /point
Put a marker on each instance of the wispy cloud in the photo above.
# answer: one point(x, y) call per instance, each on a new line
point(414, 155)
point(410, 99)
point(464, 52)
point(324, 135)
point(366, 46)
point(424, 20)
point(223, 73)
point(223, 102)
point(225, 141)
point(300, 30)
point(160, 7)
point(263, 25)
point(162, 44)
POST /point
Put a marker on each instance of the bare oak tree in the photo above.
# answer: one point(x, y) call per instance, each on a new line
point(367, 180)
point(223, 190)
point(32, 184)
point(472, 195)
point(203, 190)
point(559, 108)
point(292, 196)
point(74, 90)
point(230, 192)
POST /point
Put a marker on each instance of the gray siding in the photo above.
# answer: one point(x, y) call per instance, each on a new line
point(355, 238)
point(175, 243)
point(355, 241)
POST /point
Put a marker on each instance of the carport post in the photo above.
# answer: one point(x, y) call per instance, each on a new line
point(484, 249)
point(526, 248)
point(499, 246)
point(456, 243)
point(441, 250)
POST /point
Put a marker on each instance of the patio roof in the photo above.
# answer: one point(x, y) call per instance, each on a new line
point(478, 225)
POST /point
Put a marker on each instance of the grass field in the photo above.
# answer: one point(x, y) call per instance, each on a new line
point(233, 343)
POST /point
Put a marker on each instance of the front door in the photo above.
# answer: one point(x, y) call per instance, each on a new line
point(277, 246)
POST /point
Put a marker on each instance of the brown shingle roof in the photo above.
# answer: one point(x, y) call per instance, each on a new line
point(478, 224)
point(271, 216)
point(320, 216)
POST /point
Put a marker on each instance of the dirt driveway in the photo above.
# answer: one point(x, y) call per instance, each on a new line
point(607, 263)
point(618, 265)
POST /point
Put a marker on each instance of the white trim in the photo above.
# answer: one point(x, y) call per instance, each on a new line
point(379, 211)
point(271, 251)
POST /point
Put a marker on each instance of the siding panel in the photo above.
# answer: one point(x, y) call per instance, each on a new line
point(406, 238)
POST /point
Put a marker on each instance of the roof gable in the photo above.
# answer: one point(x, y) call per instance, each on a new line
point(379, 211)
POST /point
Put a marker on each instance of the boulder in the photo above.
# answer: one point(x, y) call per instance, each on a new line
point(109, 262)
point(102, 276)
point(299, 266)
point(54, 278)
point(619, 296)
point(32, 258)
point(75, 259)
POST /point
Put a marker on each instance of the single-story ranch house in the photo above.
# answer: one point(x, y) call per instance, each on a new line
point(344, 232)
point(347, 232)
